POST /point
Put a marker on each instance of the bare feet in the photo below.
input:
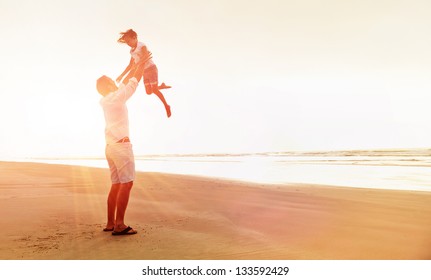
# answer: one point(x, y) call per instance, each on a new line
point(168, 111)
point(164, 86)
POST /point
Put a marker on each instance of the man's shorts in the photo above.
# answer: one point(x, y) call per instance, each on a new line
point(151, 78)
point(121, 162)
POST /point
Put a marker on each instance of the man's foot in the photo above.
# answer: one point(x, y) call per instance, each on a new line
point(164, 86)
point(126, 231)
point(109, 227)
point(168, 111)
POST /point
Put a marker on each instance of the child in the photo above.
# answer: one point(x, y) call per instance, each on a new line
point(137, 51)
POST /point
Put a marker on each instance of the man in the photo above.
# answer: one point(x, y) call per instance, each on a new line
point(119, 153)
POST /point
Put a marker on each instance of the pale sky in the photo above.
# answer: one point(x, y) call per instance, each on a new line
point(247, 76)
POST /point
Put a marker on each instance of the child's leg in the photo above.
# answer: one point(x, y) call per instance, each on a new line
point(159, 94)
point(151, 86)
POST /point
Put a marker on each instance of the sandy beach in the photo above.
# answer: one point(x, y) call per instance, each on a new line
point(58, 212)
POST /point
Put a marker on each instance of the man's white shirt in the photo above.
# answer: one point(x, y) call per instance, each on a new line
point(116, 113)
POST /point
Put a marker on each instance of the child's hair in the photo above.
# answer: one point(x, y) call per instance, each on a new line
point(128, 34)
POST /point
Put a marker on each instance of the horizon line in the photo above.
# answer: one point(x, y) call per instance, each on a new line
point(275, 153)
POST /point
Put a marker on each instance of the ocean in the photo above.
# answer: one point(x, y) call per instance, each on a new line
point(408, 169)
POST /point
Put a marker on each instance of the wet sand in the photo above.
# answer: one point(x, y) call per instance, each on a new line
point(58, 212)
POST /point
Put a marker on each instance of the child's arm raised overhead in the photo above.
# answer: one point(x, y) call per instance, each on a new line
point(128, 68)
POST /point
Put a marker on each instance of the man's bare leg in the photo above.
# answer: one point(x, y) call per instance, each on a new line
point(112, 205)
point(122, 201)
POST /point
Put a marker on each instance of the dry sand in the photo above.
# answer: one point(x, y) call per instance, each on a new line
point(58, 212)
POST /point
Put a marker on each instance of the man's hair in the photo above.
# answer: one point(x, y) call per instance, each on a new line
point(102, 83)
point(128, 34)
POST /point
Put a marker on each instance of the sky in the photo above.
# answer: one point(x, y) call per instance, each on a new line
point(246, 76)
